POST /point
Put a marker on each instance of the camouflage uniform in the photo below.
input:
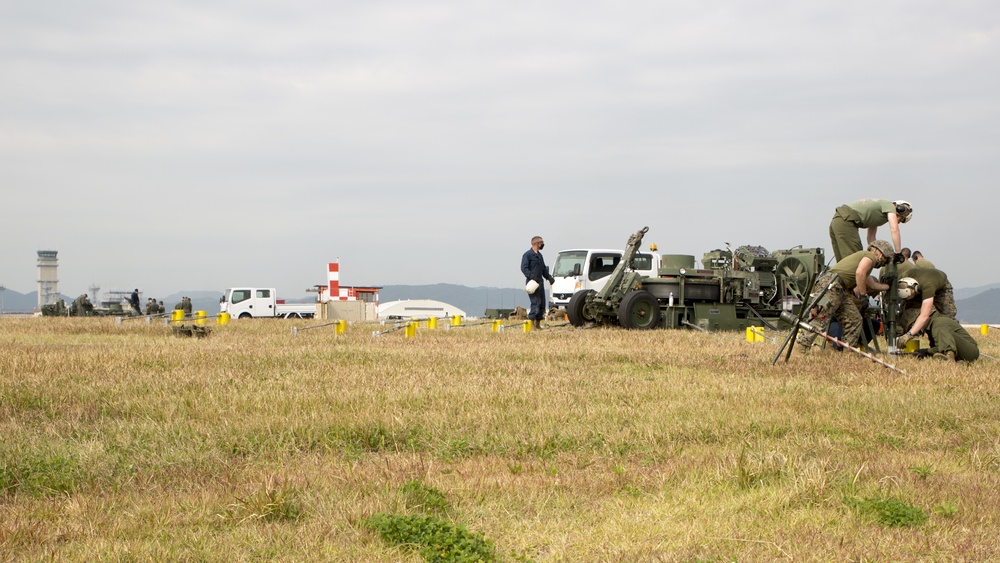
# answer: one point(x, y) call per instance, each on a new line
point(946, 335)
point(838, 302)
point(933, 283)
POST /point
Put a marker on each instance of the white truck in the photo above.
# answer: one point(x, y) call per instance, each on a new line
point(588, 268)
point(250, 302)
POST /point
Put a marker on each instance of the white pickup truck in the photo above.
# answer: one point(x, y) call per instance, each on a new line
point(588, 268)
point(250, 302)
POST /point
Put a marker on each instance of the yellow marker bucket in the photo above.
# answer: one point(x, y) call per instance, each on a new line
point(984, 329)
point(341, 326)
point(222, 319)
point(751, 335)
point(527, 326)
point(456, 320)
point(200, 317)
point(411, 329)
point(912, 345)
point(496, 325)
point(432, 323)
point(176, 316)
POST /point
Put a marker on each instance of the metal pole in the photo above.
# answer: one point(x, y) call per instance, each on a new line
point(806, 326)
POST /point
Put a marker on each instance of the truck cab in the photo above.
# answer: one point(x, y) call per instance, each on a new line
point(246, 302)
point(588, 268)
point(253, 302)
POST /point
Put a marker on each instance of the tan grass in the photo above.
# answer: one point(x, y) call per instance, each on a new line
point(561, 445)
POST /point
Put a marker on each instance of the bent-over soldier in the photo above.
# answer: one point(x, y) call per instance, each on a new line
point(922, 292)
point(849, 219)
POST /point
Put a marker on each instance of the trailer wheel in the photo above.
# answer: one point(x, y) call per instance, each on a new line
point(639, 310)
point(576, 309)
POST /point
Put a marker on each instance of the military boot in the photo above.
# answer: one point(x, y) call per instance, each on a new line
point(949, 355)
point(537, 324)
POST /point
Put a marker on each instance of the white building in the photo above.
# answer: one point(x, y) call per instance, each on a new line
point(417, 309)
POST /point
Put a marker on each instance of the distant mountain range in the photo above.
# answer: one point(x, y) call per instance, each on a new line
point(981, 308)
point(967, 292)
point(975, 305)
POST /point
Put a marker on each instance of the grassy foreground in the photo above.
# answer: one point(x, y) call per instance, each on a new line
point(129, 444)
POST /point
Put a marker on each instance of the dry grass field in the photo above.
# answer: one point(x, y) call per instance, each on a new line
point(129, 444)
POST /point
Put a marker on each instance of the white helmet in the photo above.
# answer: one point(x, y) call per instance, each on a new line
point(903, 209)
point(907, 288)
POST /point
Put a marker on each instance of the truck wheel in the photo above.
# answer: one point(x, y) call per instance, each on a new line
point(577, 307)
point(639, 310)
point(245, 316)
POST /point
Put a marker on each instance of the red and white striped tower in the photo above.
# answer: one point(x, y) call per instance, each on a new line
point(333, 276)
point(333, 280)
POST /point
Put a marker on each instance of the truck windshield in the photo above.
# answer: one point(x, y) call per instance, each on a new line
point(567, 261)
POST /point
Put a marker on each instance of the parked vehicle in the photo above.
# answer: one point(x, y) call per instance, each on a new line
point(588, 268)
point(733, 290)
point(249, 302)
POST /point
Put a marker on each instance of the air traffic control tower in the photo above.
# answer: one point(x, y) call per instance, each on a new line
point(48, 278)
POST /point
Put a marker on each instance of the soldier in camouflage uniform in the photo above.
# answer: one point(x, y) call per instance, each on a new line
point(922, 292)
point(848, 281)
point(868, 214)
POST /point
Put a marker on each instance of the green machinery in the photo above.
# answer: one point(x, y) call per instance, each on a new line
point(733, 290)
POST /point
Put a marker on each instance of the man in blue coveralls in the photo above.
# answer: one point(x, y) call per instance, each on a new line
point(534, 269)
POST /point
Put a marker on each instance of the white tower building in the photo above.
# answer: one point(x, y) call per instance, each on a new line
point(48, 277)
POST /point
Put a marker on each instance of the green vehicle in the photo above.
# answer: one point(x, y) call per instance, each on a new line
point(733, 290)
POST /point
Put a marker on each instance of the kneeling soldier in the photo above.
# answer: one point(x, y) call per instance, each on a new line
point(949, 341)
point(926, 290)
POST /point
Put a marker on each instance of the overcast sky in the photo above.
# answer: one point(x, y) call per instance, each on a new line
point(197, 145)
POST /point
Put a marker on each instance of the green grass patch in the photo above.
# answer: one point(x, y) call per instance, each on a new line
point(436, 540)
point(888, 511)
point(40, 474)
